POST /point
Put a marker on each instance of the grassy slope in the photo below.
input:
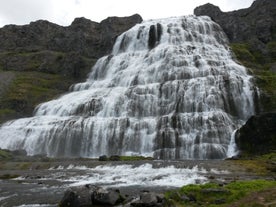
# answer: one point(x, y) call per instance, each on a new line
point(260, 65)
point(28, 89)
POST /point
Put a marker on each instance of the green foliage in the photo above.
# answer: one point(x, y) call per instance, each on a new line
point(212, 194)
point(5, 154)
point(266, 81)
point(8, 176)
point(242, 52)
point(252, 58)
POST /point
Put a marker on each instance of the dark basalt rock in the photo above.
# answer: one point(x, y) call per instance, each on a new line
point(258, 135)
point(155, 33)
point(85, 37)
point(78, 196)
point(90, 195)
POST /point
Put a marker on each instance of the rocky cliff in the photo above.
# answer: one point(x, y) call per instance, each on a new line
point(40, 60)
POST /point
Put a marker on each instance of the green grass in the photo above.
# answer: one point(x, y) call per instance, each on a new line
point(260, 64)
point(5, 154)
point(27, 90)
point(8, 176)
point(212, 194)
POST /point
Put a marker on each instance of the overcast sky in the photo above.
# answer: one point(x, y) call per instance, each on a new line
point(63, 12)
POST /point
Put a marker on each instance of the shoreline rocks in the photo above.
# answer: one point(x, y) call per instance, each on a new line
point(90, 195)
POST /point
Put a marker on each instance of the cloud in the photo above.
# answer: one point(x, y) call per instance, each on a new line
point(63, 12)
point(22, 12)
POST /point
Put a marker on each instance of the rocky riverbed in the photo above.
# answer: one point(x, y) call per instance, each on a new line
point(42, 181)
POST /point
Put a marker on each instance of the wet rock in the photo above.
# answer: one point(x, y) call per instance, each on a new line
point(258, 135)
point(149, 199)
point(103, 158)
point(77, 196)
point(102, 196)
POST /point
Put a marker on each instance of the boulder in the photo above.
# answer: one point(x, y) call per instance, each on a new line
point(78, 196)
point(258, 135)
point(149, 199)
point(103, 197)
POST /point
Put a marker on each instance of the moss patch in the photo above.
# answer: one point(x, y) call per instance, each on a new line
point(260, 64)
point(5, 154)
point(27, 90)
point(212, 194)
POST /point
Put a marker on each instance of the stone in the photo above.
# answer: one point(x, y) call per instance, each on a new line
point(103, 196)
point(103, 158)
point(149, 199)
point(77, 196)
point(258, 135)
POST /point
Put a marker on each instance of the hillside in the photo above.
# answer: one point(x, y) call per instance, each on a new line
point(39, 61)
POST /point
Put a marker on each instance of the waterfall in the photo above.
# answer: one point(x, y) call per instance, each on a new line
point(170, 89)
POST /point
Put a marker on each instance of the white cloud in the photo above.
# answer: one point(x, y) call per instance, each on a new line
point(64, 11)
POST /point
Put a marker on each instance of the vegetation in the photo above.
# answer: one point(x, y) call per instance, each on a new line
point(27, 90)
point(261, 165)
point(260, 65)
point(5, 154)
point(212, 194)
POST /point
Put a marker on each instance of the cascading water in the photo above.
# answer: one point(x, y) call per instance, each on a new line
point(170, 89)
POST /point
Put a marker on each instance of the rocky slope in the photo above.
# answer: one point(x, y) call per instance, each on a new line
point(41, 60)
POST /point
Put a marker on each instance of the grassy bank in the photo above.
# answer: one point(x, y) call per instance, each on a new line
point(238, 193)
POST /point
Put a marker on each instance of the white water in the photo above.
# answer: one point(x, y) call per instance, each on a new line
point(130, 175)
point(178, 96)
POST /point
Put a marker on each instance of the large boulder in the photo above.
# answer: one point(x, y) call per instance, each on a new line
point(258, 135)
point(78, 196)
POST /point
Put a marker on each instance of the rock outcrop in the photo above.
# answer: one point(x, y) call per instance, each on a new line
point(255, 23)
point(85, 37)
point(258, 135)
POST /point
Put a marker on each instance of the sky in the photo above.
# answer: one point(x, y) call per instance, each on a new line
point(63, 12)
